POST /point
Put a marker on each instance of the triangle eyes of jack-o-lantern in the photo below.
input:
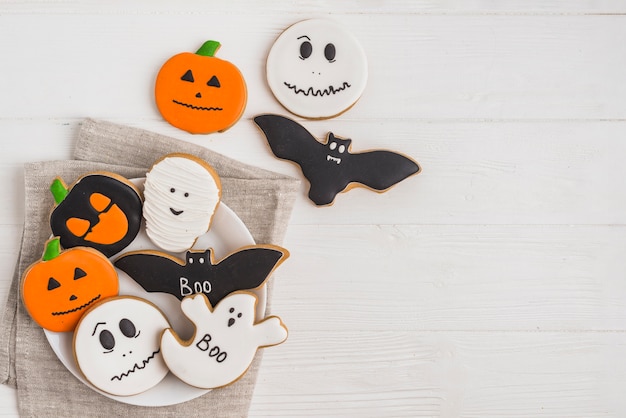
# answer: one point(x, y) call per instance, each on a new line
point(101, 210)
point(213, 81)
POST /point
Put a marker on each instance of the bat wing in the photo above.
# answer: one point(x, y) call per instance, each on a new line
point(152, 271)
point(379, 170)
point(245, 269)
point(291, 141)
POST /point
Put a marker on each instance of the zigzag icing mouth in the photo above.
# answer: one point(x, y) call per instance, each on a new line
point(333, 159)
point(319, 92)
point(196, 107)
point(78, 308)
point(136, 367)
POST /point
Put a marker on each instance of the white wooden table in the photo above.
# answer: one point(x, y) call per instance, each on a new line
point(491, 285)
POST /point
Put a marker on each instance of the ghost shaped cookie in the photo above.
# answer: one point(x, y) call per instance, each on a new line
point(181, 194)
point(317, 69)
point(116, 345)
point(225, 341)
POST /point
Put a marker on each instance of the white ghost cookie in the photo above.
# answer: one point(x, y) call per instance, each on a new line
point(181, 194)
point(116, 345)
point(317, 69)
point(225, 341)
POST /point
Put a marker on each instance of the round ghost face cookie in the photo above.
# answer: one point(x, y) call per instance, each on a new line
point(181, 194)
point(317, 69)
point(116, 345)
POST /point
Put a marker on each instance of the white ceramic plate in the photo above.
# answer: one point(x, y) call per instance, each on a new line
point(227, 234)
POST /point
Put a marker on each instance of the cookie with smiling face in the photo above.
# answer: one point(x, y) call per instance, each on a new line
point(317, 69)
point(116, 345)
point(181, 194)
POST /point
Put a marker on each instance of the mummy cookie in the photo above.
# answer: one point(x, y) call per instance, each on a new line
point(317, 69)
point(200, 93)
point(116, 345)
point(181, 195)
point(59, 288)
point(330, 167)
point(100, 210)
point(245, 269)
point(225, 341)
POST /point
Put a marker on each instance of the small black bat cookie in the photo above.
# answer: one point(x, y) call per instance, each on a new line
point(245, 269)
point(330, 167)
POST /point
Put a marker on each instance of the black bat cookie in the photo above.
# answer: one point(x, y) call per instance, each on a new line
point(245, 269)
point(330, 167)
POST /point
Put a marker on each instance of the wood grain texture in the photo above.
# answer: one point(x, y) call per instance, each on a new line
point(491, 285)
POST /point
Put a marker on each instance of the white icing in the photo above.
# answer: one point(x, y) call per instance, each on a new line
point(225, 341)
point(315, 87)
point(133, 364)
point(174, 220)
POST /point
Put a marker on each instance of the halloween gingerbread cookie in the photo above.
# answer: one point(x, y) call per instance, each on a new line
point(181, 195)
point(200, 93)
point(116, 345)
point(317, 69)
point(330, 167)
point(245, 269)
point(226, 339)
point(100, 210)
point(59, 288)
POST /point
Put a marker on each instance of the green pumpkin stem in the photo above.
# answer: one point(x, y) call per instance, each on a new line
point(53, 249)
point(209, 48)
point(59, 190)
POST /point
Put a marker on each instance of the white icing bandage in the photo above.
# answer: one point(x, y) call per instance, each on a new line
point(181, 194)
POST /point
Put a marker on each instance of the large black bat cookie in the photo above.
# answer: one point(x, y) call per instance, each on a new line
point(247, 268)
point(330, 167)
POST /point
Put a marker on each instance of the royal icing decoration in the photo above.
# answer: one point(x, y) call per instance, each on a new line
point(245, 269)
point(60, 287)
point(200, 93)
point(225, 341)
point(330, 167)
point(101, 210)
point(181, 194)
point(116, 345)
point(317, 69)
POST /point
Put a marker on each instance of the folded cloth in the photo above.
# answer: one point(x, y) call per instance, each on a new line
point(262, 199)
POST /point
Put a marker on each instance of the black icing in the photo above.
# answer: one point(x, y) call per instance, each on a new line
point(330, 169)
point(53, 283)
point(188, 76)
point(107, 340)
point(329, 52)
point(128, 328)
point(79, 273)
point(213, 82)
point(76, 204)
point(158, 272)
point(306, 49)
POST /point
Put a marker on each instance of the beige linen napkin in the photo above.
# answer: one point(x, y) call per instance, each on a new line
point(262, 199)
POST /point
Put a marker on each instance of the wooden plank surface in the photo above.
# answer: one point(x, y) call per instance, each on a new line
point(491, 285)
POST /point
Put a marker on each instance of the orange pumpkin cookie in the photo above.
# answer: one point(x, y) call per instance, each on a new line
point(57, 289)
point(200, 93)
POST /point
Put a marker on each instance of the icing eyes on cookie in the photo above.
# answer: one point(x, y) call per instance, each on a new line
point(329, 52)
